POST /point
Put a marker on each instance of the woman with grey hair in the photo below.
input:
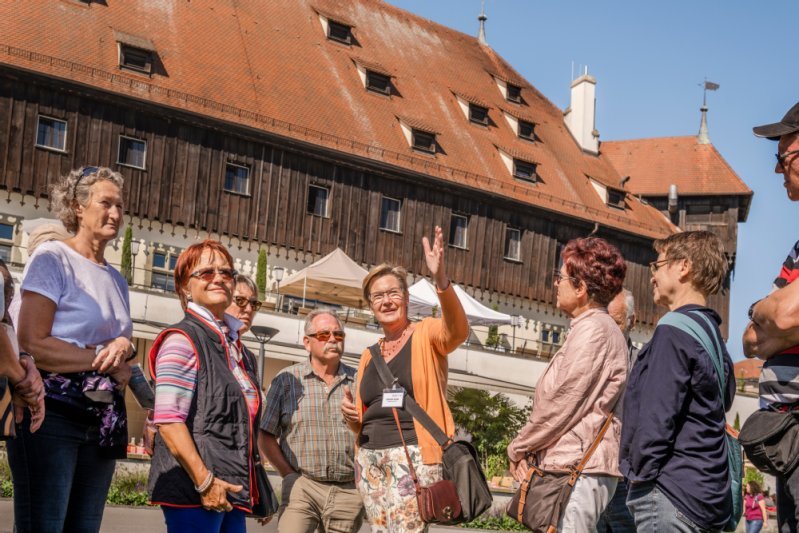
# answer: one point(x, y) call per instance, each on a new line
point(75, 320)
point(245, 302)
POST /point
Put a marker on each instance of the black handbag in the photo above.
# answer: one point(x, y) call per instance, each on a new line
point(267, 500)
point(771, 441)
point(459, 461)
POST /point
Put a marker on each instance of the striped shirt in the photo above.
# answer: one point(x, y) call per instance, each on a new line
point(176, 370)
point(304, 414)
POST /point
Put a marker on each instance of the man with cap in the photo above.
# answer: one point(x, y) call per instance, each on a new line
point(773, 332)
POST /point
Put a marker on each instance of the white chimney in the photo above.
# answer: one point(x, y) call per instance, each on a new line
point(581, 115)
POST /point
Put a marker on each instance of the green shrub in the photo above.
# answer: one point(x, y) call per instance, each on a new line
point(494, 522)
point(129, 488)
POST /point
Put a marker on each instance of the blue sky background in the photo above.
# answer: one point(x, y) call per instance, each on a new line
point(650, 59)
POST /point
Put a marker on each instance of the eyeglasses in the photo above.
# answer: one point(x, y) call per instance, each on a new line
point(324, 336)
point(208, 274)
point(557, 277)
point(242, 302)
point(393, 294)
point(87, 171)
point(655, 265)
point(782, 157)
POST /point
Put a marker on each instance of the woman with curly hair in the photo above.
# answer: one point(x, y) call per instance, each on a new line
point(75, 320)
point(581, 386)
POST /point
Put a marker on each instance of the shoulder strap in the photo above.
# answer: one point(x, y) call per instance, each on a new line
point(411, 406)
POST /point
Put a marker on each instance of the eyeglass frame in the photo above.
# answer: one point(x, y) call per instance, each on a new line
point(253, 302)
point(783, 156)
point(398, 293)
point(223, 272)
point(654, 266)
point(338, 335)
point(557, 277)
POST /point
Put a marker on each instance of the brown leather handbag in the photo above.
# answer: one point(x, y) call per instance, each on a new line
point(542, 497)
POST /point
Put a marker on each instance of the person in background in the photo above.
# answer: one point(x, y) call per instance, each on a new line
point(304, 436)
point(582, 385)
point(755, 511)
point(673, 443)
point(416, 354)
point(75, 320)
point(245, 302)
point(207, 403)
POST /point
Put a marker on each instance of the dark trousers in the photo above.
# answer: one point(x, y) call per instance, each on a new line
point(60, 479)
point(788, 502)
point(617, 518)
point(199, 520)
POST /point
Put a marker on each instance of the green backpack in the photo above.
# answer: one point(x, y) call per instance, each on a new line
point(713, 347)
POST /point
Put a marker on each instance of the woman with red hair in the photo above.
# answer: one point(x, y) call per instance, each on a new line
point(580, 388)
point(205, 468)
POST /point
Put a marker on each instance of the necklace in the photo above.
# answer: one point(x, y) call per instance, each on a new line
point(389, 348)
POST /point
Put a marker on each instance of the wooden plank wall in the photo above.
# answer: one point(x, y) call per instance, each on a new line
point(183, 185)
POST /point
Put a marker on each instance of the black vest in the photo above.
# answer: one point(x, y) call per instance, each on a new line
point(218, 421)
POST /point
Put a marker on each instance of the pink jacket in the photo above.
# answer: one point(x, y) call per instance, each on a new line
point(581, 386)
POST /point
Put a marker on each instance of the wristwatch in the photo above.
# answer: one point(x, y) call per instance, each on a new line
point(133, 353)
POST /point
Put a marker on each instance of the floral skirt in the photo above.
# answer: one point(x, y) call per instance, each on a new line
point(384, 481)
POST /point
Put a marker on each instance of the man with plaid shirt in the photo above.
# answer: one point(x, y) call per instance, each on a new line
point(305, 437)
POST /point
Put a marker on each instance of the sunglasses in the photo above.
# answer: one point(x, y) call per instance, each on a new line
point(87, 171)
point(782, 157)
point(209, 274)
point(242, 302)
point(324, 336)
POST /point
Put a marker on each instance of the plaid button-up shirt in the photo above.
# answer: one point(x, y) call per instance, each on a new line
point(304, 414)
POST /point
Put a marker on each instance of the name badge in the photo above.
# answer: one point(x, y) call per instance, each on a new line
point(394, 397)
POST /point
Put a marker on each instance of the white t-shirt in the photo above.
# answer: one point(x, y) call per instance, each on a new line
point(92, 302)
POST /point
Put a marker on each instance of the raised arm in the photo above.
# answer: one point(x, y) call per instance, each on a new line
point(453, 328)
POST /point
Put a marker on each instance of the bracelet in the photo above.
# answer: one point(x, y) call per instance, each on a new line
point(205, 484)
point(26, 354)
point(133, 353)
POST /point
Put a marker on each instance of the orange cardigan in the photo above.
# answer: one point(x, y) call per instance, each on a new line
point(433, 339)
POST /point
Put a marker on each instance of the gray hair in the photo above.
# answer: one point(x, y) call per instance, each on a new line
point(308, 327)
point(629, 303)
point(74, 189)
point(247, 280)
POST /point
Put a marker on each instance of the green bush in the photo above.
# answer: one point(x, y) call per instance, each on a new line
point(496, 523)
point(128, 489)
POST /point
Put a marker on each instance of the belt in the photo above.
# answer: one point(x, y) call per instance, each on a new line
point(340, 484)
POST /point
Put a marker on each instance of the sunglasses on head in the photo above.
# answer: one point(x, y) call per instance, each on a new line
point(87, 171)
point(242, 302)
point(324, 336)
point(209, 274)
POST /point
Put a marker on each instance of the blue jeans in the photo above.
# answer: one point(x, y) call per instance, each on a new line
point(754, 526)
point(60, 479)
point(199, 520)
point(653, 512)
point(617, 518)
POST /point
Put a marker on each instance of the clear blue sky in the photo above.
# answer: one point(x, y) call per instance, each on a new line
point(649, 59)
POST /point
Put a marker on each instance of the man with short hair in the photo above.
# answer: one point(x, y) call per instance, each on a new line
point(305, 437)
point(773, 333)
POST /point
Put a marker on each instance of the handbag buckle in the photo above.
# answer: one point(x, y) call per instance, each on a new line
point(447, 512)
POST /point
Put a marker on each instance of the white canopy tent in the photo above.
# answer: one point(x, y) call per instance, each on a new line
point(424, 298)
point(334, 279)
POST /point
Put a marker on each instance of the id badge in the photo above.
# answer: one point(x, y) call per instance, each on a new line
point(393, 398)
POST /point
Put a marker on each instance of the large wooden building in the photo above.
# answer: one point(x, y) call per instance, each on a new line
point(305, 125)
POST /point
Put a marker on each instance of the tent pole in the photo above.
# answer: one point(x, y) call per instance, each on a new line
point(304, 289)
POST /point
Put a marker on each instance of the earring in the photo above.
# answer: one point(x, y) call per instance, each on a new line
point(188, 296)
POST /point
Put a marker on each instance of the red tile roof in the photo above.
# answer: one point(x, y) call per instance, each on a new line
point(654, 164)
point(748, 368)
point(269, 66)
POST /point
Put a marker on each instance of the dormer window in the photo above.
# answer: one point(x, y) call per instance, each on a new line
point(514, 93)
point(478, 114)
point(526, 130)
point(616, 198)
point(423, 141)
point(135, 59)
point(336, 31)
point(524, 170)
point(377, 82)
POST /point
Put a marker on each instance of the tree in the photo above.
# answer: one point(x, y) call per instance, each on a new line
point(127, 257)
point(491, 419)
point(260, 273)
point(492, 341)
point(737, 423)
point(753, 474)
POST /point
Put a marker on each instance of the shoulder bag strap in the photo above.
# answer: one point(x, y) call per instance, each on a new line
point(407, 454)
point(410, 404)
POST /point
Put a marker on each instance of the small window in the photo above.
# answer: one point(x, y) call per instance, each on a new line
point(317, 200)
point(556, 337)
point(424, 141)
point(163, 270)
point(339, 32)
point(526, 130)
point(513, 244)
point(6, 241)
point(132, 152)
point(478, 114)
point(390, 210)
point(514, 93)
point(379, 83)
point(524, 170)
point(237, 179)
point(458, 231)
point(616, 198)
point(135, 59)
point(51, 133)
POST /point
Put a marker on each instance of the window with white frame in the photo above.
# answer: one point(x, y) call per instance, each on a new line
point(132, 152)
point(458, 231)
point(390, 209)
point(513, 244)
point(237, 178)
point(318, 200)
point(6, 241)
point(163, 269)
point(51, 133)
